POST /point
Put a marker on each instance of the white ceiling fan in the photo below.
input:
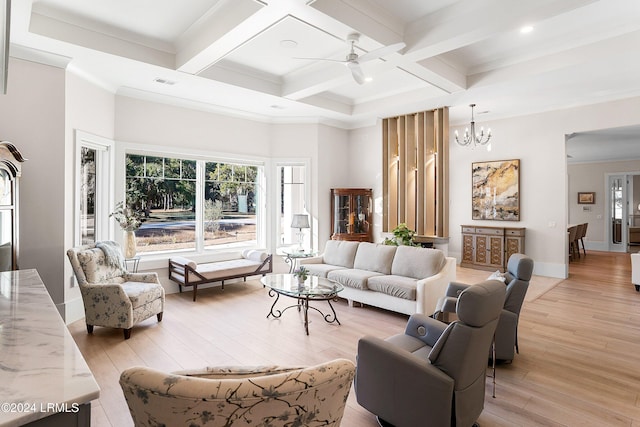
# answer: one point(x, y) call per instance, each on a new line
point(353, 60)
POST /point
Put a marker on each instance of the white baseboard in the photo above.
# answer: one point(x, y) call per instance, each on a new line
point(71, 310)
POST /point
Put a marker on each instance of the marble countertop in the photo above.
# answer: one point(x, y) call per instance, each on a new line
point(41, 369)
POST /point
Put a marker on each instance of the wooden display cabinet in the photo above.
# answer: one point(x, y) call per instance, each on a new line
point(351, 214)
point(10, 171)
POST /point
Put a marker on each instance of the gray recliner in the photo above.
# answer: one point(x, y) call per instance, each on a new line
point(433, 374)
point(517, 277)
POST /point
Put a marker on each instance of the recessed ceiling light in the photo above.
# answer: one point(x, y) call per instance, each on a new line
point(164, 81)
point(288, 44)
point(526, 29)
point(368, 79)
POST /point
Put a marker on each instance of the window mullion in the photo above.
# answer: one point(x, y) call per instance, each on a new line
point(200, 176)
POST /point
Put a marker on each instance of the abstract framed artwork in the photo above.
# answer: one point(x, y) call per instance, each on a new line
point(496, 190)
point(588, 198)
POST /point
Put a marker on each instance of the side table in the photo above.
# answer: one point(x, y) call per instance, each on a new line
point(293, 255)
point(134, 262)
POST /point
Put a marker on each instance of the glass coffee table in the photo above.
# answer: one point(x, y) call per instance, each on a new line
point(313, 289)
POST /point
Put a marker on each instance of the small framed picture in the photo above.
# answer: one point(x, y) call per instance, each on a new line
point(587, 198)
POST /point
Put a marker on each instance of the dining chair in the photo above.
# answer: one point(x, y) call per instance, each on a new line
point(582, 235)
point(573, 232)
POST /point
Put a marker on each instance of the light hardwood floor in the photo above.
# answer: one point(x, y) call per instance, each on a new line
point(578, 363)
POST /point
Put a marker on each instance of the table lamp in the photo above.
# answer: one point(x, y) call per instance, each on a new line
point(300, 221)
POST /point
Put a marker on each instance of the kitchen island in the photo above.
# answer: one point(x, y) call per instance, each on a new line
point(44, 380)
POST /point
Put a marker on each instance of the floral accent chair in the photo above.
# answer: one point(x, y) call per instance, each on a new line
point(268, 396)
point(113, 297)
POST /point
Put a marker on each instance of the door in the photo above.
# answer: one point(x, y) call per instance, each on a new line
point(617, 207)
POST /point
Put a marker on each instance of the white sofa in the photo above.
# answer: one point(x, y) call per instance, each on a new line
point(635, 270)
point(403, 279)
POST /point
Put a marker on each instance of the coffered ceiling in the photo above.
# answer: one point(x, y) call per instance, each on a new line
point(245, 56)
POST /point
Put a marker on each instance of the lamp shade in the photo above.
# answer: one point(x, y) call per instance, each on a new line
point(300, 221)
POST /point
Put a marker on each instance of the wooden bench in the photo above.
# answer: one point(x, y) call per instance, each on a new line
point(186, 272)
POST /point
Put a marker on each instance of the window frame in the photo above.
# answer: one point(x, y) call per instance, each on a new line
point(105, 158)
point(307, 209)
point(201, 157)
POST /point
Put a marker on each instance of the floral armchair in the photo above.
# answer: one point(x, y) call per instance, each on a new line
point(113, 297)
point(248, 396)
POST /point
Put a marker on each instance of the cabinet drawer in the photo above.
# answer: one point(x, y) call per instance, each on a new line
point(491, 231)
point(514, 231)
point(471, 230)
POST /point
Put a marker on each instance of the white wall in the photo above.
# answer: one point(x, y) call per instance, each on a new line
point(332, 172)
point(33, 119)
point(539, 142)
point(365, 152)
point(150, 123)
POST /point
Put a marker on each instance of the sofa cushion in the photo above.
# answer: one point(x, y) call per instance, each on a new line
point(374, 257)
point(321, 270)
point(418, 263)
point(141, 293)
point(396, 286)
point(352, 278)
point(339, 252)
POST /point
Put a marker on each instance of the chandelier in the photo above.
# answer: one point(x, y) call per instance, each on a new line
point(470, 135)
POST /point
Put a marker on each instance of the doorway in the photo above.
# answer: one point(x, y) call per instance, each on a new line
point(623, 207)
point(606, 163)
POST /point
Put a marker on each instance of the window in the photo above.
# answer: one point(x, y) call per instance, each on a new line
point(230, 203)
point(291, 200)
point(93, 187)
point(192, 204)
point(87, 195)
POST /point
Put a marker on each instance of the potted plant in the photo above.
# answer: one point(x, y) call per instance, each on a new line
point(403, 235)
point(301, 274)
point(129, 221)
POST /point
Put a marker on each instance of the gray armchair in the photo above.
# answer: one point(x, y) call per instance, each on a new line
point(433, 374)
point(113, 297)
point(517, 277)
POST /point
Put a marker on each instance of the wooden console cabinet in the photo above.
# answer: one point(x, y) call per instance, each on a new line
point(489, 248)
point(351, 214)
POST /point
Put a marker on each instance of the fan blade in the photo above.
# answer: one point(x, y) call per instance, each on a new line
point(321, 59)
point(379, 53)
point(356, 72)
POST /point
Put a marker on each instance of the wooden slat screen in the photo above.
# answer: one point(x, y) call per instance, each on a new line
point(415, 172)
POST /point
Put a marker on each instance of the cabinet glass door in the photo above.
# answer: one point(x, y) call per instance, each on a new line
point(341, 214)
point(361, 210)
point(6, 240)
point(6, 221)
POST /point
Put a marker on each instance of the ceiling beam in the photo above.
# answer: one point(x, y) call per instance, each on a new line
point(365, 18)
point(76, 35)
point(222, 30)
point(470, 21)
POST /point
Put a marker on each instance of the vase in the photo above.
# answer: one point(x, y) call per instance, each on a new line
point(129, 244)
point(301, 281)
